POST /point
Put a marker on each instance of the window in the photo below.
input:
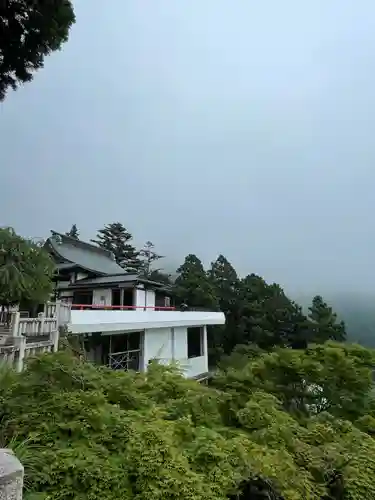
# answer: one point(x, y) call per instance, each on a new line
point(125, 351)
point(195, 342)
point(82, 297)
point(116, 297)
point(159, 300)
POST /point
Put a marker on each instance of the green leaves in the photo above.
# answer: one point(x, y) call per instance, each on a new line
point(260, 429)
point(30, 31)
point(193, 286)
point(325, 325)
point(117, 239)
point(26, 270)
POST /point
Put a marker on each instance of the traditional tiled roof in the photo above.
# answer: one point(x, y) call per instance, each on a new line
point(82, 254)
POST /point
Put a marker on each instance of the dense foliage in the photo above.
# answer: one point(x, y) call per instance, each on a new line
point(29, 31)
point(291, 424)
point(26, 270)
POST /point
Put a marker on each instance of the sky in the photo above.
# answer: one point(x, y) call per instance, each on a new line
point(236, 127)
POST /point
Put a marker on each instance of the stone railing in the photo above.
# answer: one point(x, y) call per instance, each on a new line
point(11, 476)
point(22, 337)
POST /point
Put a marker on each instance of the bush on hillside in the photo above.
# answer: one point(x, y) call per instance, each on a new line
point(86, 432)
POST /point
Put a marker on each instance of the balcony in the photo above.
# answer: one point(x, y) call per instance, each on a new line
point(98, 318)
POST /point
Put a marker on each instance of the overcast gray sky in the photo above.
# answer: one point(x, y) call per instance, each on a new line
point(208, 126)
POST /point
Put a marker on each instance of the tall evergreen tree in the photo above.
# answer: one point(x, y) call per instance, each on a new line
point(224, 278)
point(149, 257)
point(73, 233)
point(269, 318)
point(325, 323)
point(193, 286)
point(226, 285)
point(115, 238)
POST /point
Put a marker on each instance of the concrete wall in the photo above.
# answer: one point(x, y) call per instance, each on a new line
point(158, 343)
point(170, 344)
point(11, 476)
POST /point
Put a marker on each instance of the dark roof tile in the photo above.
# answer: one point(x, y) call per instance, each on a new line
point(84, 254)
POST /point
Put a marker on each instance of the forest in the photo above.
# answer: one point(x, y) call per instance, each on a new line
point(288, 413)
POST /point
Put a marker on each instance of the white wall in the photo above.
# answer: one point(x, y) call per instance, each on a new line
point(102, 296)
point(150, 298)
point(144, 298)
point(170, 344)
point(157, 344)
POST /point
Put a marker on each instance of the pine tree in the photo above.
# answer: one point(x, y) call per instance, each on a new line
point(325, 323)
point(225, 280)
point(115, 238)
point(269, 318)
point(226, 285)
point(192, 286)
point(148, 257)
point(73, 233)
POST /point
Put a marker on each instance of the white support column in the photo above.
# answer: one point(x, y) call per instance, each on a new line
point(15, 324)
point(20, 342)
point(173, 342)
point(205, 347)
point(55, 339)
point(41, 318)
point(58, 312)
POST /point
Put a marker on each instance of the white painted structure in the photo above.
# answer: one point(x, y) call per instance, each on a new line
point(125, 320)
point(164, 334)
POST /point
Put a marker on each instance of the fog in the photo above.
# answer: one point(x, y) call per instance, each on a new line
point(242, 128)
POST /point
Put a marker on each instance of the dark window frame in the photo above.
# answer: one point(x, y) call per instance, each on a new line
point(195, 346)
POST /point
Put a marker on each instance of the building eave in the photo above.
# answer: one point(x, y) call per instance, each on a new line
point(116, 321)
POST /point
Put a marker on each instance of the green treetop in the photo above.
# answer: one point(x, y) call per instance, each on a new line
point(26, 270)
point(325, 323)
point(116, 238)
point(30, 30)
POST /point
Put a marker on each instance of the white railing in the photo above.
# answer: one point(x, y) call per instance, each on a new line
point(22, 337)
point(16, 354)
point(59, 310)
point(37, 327)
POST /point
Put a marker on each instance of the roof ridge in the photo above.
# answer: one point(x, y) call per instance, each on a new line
point(83, 244)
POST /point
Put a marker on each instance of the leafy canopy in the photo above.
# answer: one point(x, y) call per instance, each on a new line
point(30, 30)
point(26, 269)
point(193, 286)
point(88, 432)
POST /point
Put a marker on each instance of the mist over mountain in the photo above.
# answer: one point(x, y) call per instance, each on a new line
point(356, 309)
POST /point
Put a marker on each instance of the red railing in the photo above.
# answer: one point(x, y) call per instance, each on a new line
point(83, 307)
